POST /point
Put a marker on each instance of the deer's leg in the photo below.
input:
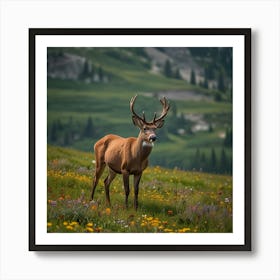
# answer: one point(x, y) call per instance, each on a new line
point(126, 187)
point(98, 172)
point(111, 176)
point(136, 189)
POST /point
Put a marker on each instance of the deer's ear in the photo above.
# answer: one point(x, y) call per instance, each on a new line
point(137, 122)
point(159, 123)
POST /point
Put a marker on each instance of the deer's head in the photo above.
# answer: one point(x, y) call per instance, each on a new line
point(147, 129)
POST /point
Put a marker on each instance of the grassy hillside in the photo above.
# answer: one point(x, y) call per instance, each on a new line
point(170, 200)
point(89, 90)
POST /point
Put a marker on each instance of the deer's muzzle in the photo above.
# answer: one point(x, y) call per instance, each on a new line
point(152, 138)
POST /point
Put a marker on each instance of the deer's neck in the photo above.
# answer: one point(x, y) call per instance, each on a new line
point(143, 148)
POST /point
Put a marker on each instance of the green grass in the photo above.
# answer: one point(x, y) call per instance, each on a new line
point(169, 200)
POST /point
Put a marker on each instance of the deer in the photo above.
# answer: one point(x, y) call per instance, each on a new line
point(127, 156)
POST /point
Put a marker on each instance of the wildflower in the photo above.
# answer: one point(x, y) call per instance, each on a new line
point(53, 203)
point(98, 229)
point(89, 229)
point(93, 207)
point(69, 227)
point(49, 224)
point(155, 224)
point(170, 212)
point(65, 223)
point(108, 211)
point(89, 224)
point(74, 223)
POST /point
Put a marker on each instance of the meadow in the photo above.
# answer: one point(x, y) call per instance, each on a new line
point(170, 200)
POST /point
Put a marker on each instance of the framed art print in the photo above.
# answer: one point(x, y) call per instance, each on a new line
point(140, 139)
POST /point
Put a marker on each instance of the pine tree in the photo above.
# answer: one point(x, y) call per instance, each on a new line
point(211, 128)
point(193, 77)
point(218, 97)
point(89, 128)
point(86, 72)
point(223, 162)
point(53, 132)
point(205, 83)
point(221, 82)
point(66, 139)
point(228, 138)
point(167, 69)
point(213, 161)
point(177, 74)
point(174, 109)
point(197, 160)
point(203, 161)
point(100, 73)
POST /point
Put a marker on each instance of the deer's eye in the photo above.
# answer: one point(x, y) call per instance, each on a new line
point(145, 128)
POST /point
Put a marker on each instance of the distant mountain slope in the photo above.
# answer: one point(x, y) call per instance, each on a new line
point(210, 65)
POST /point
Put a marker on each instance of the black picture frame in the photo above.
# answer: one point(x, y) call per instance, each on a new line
point(34, 33)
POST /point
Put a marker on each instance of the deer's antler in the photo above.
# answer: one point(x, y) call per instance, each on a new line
point(164, 112)
point(132, 101)
point(165, 109)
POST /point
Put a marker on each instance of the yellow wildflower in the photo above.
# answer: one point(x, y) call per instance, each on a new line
point(89, 224)
point(108, 211)
point(155, 224)
point(89, 229)
point(49, 224)
point(184, 230)
point(93, 207)
point(69, 227)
